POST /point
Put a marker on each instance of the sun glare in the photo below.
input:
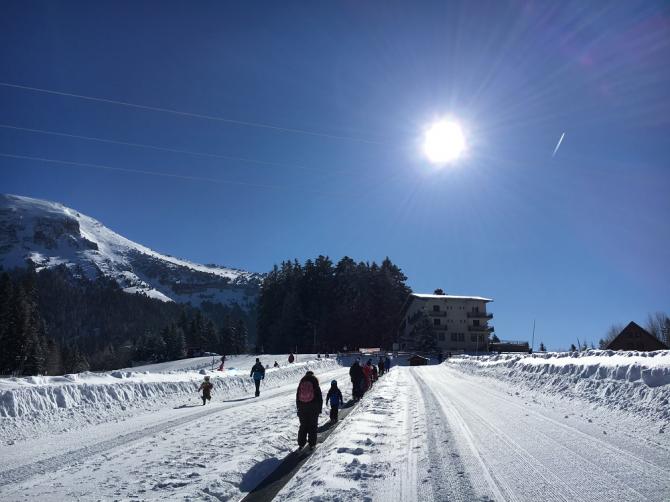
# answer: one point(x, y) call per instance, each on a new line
point(444, 142)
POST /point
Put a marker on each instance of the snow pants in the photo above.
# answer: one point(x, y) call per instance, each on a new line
point(309, 421)
point(334, 410)
point(205, 398)
point(258, 387)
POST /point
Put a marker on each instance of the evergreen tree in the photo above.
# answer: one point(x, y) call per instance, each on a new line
point(573, 348)
point(423, 334)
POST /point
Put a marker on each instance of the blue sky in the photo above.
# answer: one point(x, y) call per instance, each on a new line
point(578, 241)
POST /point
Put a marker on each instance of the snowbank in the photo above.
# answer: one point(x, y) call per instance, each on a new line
point(634, 381)
point(35, 396)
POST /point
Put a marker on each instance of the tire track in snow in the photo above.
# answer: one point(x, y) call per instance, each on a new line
point(24, 472)
point(55, 463)
point(574, 430)
point(447, 474)
point(549, 447)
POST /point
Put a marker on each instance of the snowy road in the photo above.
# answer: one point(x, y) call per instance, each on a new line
point(188, 452)
point(435, 433)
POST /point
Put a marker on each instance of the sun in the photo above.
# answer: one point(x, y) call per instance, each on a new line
point(444, 142)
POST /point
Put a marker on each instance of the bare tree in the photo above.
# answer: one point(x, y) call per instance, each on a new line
point(658, 325)
point(610, 335)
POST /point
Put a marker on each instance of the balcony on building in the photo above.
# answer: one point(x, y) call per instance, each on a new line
point(481, 329)
point(480, 315)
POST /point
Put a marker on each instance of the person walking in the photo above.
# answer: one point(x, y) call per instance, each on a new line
point(367, 373)
point(206, 387)
point(335, 400)
point(258, 374)
point(223, 360)
point(309, 401)
point(357, 379)
point(380, 364)
point(387, 364)
point(291, 358)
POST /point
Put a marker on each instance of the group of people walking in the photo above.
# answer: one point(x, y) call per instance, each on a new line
point(308, 397)
point(363, 377)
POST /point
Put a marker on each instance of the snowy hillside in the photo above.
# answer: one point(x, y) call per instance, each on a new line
point(49, 234)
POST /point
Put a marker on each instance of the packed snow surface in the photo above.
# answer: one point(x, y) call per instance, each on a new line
point(49, 234)
point(504, 428)
point(442, 433)
point(172, 448)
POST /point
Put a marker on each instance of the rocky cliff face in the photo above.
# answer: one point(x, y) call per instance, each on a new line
point(48, 234)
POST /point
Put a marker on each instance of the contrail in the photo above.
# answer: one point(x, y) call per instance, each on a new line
point(558, 145)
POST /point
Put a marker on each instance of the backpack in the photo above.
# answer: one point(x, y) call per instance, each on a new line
point(306, 392)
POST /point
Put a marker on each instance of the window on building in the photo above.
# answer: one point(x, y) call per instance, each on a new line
point(440, 337)
point(436, 308)
point(461, 337)
point(475, 310)
point(475, 322)
point(436, 322)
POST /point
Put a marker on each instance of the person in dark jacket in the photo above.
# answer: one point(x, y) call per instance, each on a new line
point(291, 358)
point(258, 374)
point(335, 400)
point(309, 401)
point(387, 364)
point(380, 364)
point(357, 379)
point(206, 388)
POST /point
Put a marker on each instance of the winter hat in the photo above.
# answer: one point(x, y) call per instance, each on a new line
point(309, 373)
point(334, 382)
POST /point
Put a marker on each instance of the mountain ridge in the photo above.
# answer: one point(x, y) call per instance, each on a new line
point(47, 234)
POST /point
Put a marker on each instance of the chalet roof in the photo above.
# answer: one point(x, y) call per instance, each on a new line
point(634, 337)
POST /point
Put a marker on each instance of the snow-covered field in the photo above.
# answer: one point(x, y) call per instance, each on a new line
point(590, 426)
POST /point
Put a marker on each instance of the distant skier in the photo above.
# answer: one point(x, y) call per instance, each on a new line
point(335, 400)
point(309, 401)
point(223, 360)
point(206, 388)
point(276, 365)
point(357, 379)
point(387, 364)
point(381, 366)
point(258, 374)
point(291, 358)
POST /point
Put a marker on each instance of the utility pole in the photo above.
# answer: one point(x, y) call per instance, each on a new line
point(532, 343)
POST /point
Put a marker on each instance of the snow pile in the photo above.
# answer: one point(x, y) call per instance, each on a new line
point(32, 398)
point(633, 381)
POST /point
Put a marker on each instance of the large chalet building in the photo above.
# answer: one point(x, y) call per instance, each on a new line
point(461, 323)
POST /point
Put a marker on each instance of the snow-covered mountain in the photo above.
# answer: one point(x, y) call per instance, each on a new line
point(49, 234)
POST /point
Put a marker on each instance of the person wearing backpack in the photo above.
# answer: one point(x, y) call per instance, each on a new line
point(357, 379)
point(309, 402)
point(258, 374)
point(335, 400)
point(206, 388)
